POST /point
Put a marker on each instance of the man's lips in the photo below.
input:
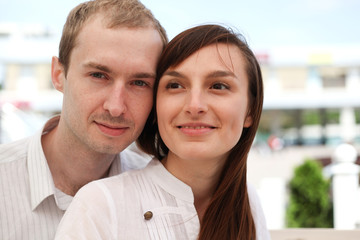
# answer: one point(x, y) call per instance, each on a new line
point(111, 130)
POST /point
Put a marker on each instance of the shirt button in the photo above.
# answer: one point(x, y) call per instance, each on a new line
point(148, 215)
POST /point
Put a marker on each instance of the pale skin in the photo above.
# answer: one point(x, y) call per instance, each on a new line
point(107, 98)
point(202, 108)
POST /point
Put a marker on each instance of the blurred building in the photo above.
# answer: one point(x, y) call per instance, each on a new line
point(312, 94)
point(25, 63)
point(312, 100)
point(27, 96)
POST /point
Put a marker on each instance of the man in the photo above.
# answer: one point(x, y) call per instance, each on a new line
point(106, 72)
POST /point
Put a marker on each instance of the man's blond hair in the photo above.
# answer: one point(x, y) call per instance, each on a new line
point(117, 13)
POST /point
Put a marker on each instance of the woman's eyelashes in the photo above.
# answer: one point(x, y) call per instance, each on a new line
point(220, 86)
point(215, 86)
point(173, 85)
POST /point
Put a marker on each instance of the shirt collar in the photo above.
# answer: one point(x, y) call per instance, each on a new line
point(41, 182)
point(115, 167)
point(168, 182)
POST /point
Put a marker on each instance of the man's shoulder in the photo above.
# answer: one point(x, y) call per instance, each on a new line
point(123, 178)
point(133, 158)
point(117, 183)
point(14, 150)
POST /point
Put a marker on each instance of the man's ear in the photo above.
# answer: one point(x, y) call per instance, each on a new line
point(248, 121)
point(57, 74)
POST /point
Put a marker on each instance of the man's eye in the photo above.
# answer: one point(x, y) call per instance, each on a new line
point(139, 83)
point(173, 85)
point(97, 75)
point(219, 86)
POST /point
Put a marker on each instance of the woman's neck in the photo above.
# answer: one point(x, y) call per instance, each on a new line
point(201, 175)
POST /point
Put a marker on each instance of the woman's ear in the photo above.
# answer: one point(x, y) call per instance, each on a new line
point(248, 121)
point(57, 74)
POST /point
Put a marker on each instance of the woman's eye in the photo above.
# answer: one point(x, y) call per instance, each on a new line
point(219, 86)
point(173, 85)
point(97, 75)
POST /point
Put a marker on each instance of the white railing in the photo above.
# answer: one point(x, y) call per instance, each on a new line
point(314, 234)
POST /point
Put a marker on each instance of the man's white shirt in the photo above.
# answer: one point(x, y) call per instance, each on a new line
point(30, 205)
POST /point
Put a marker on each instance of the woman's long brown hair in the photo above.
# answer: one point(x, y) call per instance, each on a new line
point(228, 215)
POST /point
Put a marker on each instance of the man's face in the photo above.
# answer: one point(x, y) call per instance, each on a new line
point(109, 86)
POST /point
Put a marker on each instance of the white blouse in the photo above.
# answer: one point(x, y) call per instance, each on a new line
point(142, 204)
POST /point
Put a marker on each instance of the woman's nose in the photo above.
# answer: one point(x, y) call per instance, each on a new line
point(196, 103)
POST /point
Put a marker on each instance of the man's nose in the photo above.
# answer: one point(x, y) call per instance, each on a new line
point(115, 102)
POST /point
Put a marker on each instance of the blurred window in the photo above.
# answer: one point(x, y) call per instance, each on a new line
point(333, 77)
point(292, 77)
point(27, 81)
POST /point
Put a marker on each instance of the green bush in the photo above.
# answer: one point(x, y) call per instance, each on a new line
point(310, 204)
point(311, 117)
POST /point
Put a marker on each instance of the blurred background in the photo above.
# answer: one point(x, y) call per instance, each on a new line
point(309, 51)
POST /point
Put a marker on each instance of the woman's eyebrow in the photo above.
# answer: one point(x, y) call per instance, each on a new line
point(220, 73)
point(214, 74)
point(173, 74)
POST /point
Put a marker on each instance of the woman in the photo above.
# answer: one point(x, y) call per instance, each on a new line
point(208, 98)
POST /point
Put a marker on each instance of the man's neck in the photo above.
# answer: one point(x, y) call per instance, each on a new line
point(73, 166)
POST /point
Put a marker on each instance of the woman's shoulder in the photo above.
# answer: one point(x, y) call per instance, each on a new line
point(254, 199)
point(251, 190)
point(258, 214)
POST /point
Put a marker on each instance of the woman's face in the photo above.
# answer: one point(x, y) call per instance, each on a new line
point(202, 103)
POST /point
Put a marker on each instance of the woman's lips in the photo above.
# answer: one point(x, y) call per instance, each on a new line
point(196, 128)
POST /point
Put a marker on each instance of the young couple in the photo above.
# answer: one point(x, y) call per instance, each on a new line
point(203, 118)
point(208, 98)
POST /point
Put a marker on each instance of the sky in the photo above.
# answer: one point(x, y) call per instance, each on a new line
point(264, 23)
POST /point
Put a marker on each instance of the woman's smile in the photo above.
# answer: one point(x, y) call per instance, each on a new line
point(195, 129)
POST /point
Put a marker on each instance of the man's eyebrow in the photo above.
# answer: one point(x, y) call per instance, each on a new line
point(98, 66)
point(108, 70)
point(144, 75)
